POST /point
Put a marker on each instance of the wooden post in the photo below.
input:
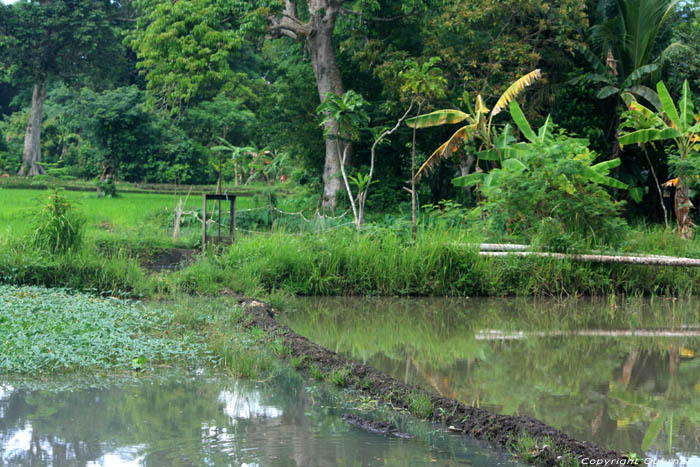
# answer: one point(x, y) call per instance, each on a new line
point(232, 221)
point(204, 223)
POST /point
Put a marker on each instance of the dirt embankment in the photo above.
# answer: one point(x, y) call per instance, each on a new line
point(477, 423)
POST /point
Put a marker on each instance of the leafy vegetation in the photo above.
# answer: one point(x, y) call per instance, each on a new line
point(44, 331)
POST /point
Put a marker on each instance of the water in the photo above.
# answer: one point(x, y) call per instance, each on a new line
point(623, 375)
point(207, 421)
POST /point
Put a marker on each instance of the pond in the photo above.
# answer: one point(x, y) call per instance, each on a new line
point(623, 374)
point(173, 420)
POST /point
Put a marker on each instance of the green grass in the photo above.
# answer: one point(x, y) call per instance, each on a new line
point(386, 262)
point(245, 352)
point(339, 377)
point(131, 217)
point(46, 331)
point(420, 405)
point(529, 449)
point(121, 232)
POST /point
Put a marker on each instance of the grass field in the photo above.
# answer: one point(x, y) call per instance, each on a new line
point(123, 234)
point(137, 216)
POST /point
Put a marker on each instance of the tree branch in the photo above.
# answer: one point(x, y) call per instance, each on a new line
point(288, 23)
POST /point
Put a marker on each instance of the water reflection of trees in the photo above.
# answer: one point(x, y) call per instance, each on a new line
point(630, 393)
point(186, 422)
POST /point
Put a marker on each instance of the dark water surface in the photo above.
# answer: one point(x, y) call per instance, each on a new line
point(207, 421)
point(622, 374)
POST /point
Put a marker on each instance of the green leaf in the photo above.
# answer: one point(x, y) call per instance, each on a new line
point(668, 105)
point(514, 165)
point(604, 167)
point(636, 193)
point(607, 91)
point(492, 154)
point(596, 177)
point(439, 117)
point(595, 63)
point(545, 130)
point(686, 105)
point(638, 73)
point(469, 180)
point(653, 431)
point(521, 122)
point(649, 134)
point(647, 94)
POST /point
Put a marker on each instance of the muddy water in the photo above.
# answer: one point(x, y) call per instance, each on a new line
point(213, 421)
point(622, 374)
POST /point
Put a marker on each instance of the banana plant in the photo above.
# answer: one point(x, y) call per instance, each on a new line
point(642, 125)
point(237, 153)
point(514, 156)
point(478, 128)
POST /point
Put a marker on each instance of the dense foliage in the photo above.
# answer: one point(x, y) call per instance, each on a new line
point(144, 90)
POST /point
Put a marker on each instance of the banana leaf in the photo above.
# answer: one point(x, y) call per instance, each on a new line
point(469, 180)
point(668, 105)
point(521, 122)
point(439, 117)
point(649, 134)
point(596, 177)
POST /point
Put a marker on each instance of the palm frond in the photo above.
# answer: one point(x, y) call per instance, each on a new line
point(515, 89)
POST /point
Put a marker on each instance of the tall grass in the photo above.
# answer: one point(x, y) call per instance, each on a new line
point(85, 270)
point(384, 262)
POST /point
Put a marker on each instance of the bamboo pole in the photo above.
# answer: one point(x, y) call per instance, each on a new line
point(650, 260)
point(496, 334)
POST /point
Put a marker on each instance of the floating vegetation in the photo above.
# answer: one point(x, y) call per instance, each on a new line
point(44, 331)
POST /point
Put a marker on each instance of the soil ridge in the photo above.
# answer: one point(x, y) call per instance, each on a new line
point(501, 430)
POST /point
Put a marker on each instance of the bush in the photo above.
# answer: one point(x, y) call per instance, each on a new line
point(58, 228)
point(550, 189)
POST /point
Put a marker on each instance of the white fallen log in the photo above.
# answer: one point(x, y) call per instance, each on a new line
point(495, 334)
point(651, 260)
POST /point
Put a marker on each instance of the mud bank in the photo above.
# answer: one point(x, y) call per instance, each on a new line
point(501, 430)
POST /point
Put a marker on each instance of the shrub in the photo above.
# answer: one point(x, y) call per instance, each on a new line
point(58, 228)
point(552, 178)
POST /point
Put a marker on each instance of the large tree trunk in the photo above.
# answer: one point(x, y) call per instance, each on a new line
point(317, 34)
point(328, 79)
point(31, 156)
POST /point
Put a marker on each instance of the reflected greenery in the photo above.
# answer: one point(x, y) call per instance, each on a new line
point(630, 393)
point(207, 420)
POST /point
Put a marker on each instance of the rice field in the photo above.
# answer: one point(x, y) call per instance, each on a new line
point(131, 215)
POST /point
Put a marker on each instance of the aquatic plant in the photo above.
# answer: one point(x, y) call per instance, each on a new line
point(46, 331)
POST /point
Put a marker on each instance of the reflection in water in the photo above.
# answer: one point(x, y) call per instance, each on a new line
point(206, 421)
point(624, 375)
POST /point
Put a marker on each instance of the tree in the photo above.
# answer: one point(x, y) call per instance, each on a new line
point(626, 38)
point(349, 117)
point(184, 50)
point(641, 125)
point(48, 40)
point(479, 125)
point(422, 83)
point(548, 184)
point(310, 23)
point(487, 44)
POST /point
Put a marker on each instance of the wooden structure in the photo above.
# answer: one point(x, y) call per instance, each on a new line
point(232, 220)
